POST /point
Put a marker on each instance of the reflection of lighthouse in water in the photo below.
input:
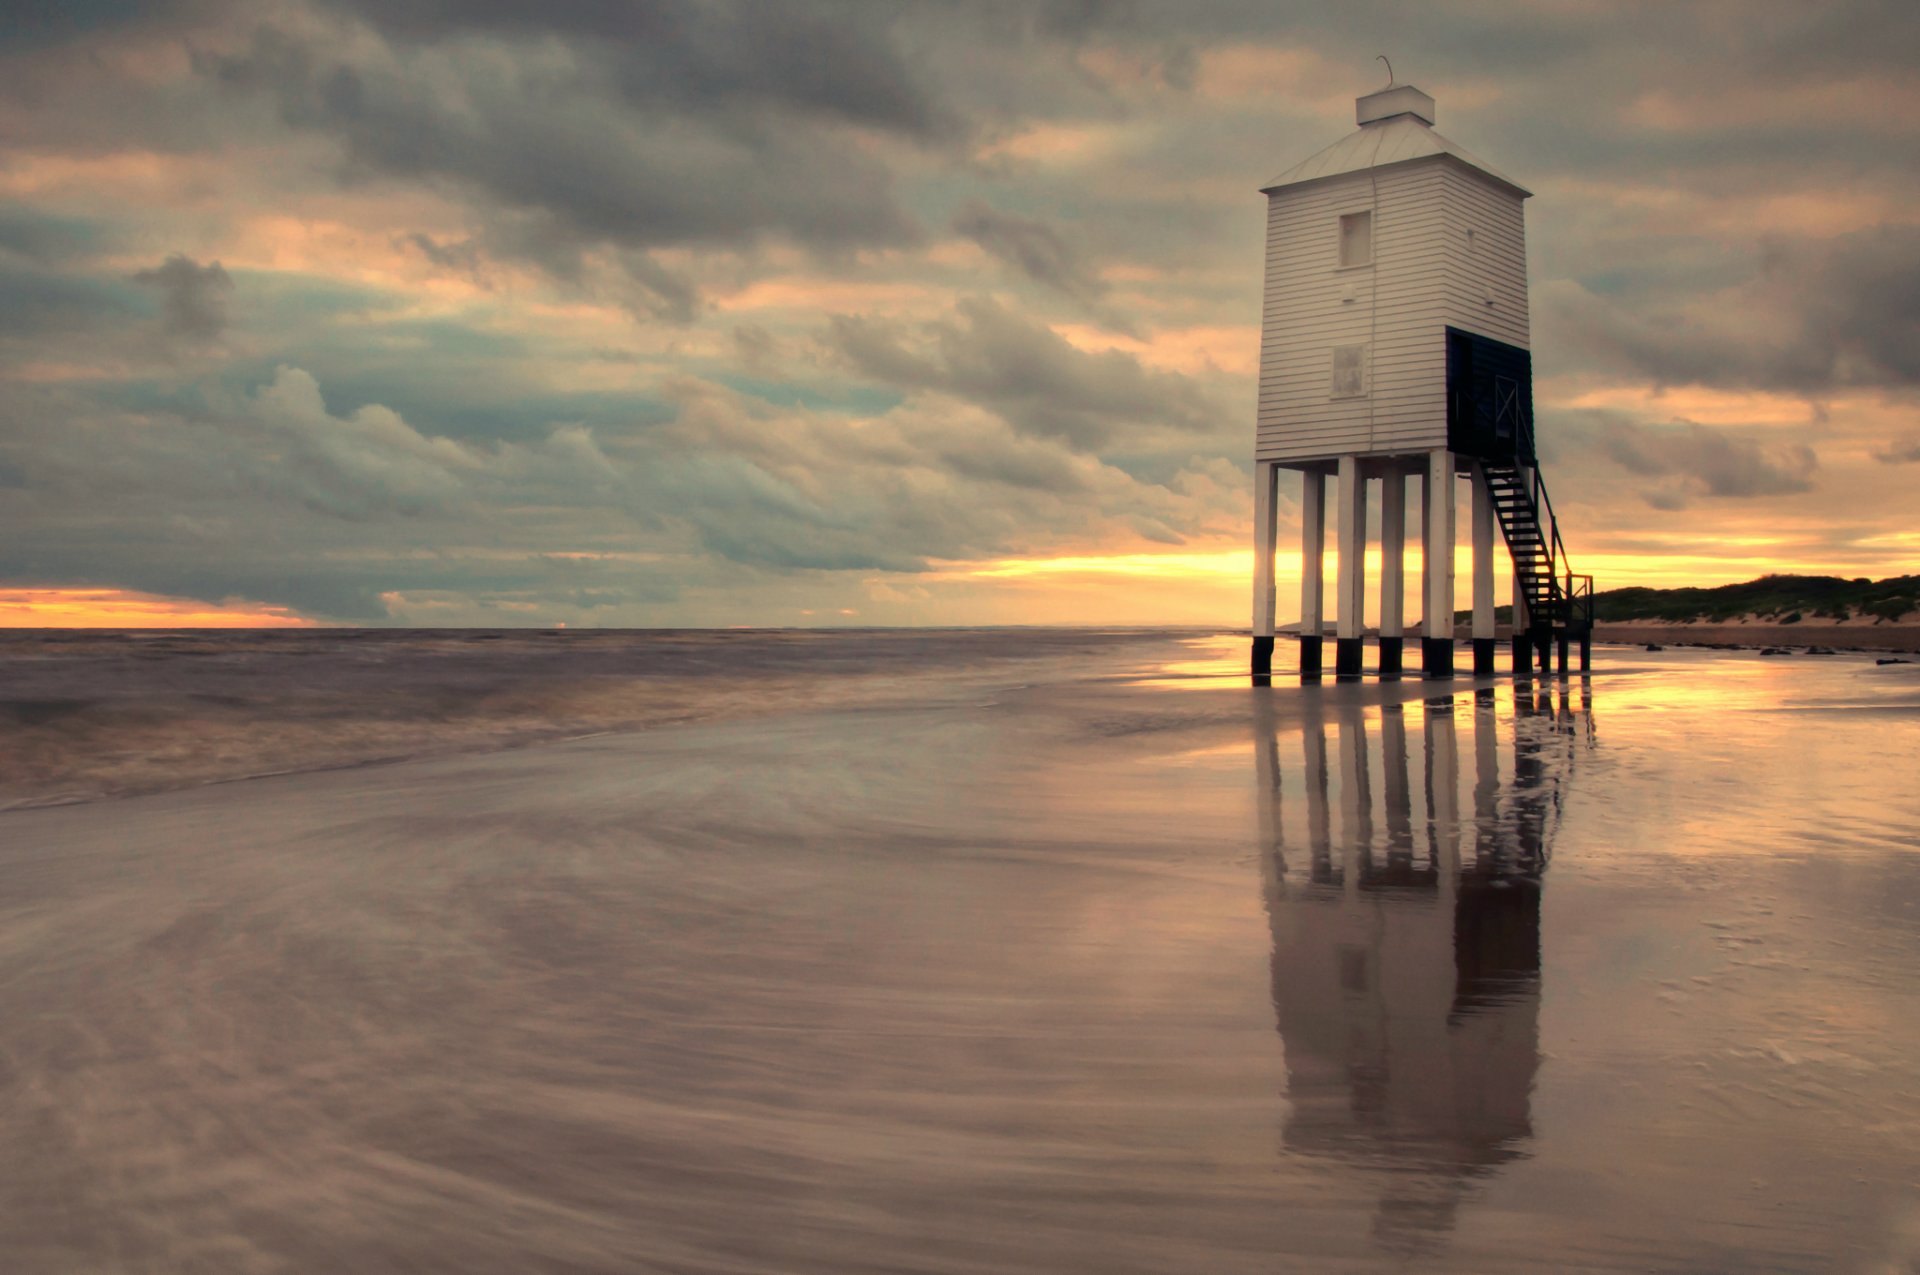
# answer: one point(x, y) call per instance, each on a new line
point(1406, 941)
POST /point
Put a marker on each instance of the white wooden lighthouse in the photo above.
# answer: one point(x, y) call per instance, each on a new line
point(1394, 345)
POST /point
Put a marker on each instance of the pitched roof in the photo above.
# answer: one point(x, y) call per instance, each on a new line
point(1396, 140)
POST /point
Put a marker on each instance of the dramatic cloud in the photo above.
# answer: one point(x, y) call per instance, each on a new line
point(718, 311)
point(1028, 375)
point(1708, 462)
point(579, 128)
point(1816, 316)
point(193, 297)
point(732, 484)
point(1033, 248)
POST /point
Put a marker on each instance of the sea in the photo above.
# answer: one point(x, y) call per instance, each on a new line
point(972, 950)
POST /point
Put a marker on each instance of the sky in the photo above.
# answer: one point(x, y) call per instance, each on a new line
point(662, 312)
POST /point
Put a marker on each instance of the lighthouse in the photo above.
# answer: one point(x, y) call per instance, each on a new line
point(1395, 351)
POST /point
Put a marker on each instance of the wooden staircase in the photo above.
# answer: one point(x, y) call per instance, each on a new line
point(1559, 603)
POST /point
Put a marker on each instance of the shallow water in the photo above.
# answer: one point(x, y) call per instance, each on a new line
point(1104, 962)
point(88, 713)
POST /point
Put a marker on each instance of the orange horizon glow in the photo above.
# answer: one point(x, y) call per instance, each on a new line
point(1677, 569)
point(1208, 583)
point(86, 608)
point(1186, 579)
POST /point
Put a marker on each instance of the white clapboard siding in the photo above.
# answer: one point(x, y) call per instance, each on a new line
point(1395, 306)
point(1495, 258)
point(1449, 249)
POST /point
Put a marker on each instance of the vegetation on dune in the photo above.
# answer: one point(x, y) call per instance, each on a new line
point(1782, 599)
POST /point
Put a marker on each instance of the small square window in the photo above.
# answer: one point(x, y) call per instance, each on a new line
point(1356, 239)
point(1349, 371)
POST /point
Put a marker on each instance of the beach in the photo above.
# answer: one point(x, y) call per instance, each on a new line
point(1884, 639)
point(978, 950)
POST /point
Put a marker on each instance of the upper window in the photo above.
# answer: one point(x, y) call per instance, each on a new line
point(1356, 239)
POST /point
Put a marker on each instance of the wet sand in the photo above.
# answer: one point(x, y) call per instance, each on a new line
point(86, 714)
point(1108, 964)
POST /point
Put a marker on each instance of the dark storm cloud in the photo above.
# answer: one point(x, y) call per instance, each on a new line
point(543, 136)
point(837, 61)
point(1027, 374)
point(1032, 247)
point(641, 126)
point(1706, 461)
point(35, 24)
point(193, 297)
point(1860, 317)
point(1818, 315)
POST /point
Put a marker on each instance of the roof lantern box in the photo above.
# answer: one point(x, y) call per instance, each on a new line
point(1396, 127)
point(1395, 99)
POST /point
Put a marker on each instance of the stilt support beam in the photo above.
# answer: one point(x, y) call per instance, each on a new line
point(1265, 528)
point(1393, 658)
point(1352, 619)
point(1313, 571)
point(1393, 573)
point(1437, 643)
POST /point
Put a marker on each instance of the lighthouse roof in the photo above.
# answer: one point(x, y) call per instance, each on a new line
point(1396, 127)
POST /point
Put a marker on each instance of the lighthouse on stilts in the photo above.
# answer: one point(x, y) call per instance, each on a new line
point(1394, 346)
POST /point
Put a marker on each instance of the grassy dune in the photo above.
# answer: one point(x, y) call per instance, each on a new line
point(1779, 599)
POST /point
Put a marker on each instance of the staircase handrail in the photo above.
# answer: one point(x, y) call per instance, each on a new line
point(1580, 600)
point(1556, 548)
point(1569, 597)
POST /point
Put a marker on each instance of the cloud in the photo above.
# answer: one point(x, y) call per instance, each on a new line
point(554, 286)
point(681, 125)
point(1707, 461)
point(277, 495)
point(36, 236)
point(38, 304)
point(826, 61)
point(1816, 316)
point(1027, 374)
point(193, 297)
point(461, 256)
point(1900, 451)
point(1032, 247)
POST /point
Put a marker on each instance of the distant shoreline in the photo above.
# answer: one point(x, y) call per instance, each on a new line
point(1896, 639)
point(1900, 638)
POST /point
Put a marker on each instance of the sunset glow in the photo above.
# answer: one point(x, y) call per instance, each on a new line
point(120, 609)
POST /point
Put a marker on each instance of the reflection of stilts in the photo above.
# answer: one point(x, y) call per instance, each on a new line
point(1319, 827)
point(1356, 799)
point(1406, 987)
point(1399, 799)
